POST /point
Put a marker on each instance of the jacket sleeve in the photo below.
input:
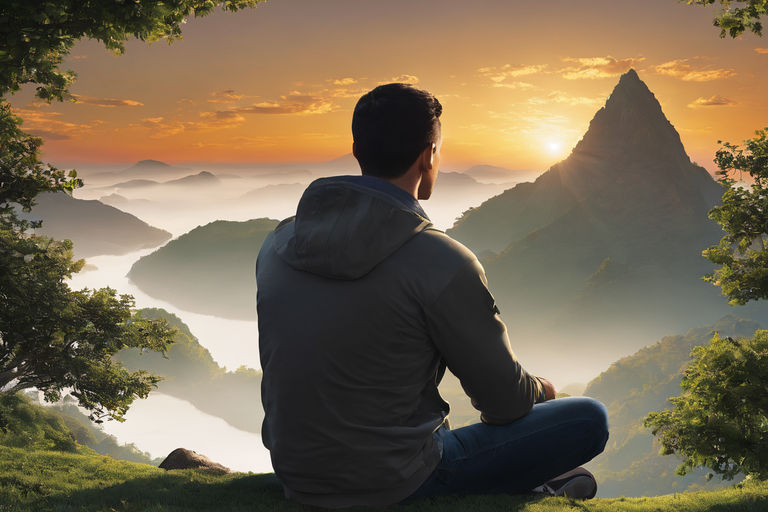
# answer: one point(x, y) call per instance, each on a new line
point(465, 326)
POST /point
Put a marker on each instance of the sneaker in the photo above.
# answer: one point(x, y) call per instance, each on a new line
point(578, 483)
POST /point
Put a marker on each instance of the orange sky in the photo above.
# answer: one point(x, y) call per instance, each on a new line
point(519, 81)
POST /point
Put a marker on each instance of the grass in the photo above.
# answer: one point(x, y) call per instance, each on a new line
point(56, 481)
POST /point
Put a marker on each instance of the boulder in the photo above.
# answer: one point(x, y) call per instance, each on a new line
point(181, 458)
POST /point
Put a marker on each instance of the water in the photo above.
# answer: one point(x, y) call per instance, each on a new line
point(161, 423)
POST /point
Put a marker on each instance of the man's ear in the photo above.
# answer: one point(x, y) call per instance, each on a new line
point(427, 158)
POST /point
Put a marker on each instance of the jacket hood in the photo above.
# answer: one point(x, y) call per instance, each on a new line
point(343, 229)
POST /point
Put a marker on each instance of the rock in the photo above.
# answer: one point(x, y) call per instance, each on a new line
point(181, 458)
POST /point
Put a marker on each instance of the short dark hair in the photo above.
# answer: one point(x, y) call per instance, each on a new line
point(391, 126)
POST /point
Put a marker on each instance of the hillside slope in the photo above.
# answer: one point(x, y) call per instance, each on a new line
point(631, 388)
point(43, 480)
point(95, 228)
point(210, 270)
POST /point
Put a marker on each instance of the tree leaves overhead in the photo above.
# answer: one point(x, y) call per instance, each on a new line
point(37, 34)
point(51, 337)
point(736, 17)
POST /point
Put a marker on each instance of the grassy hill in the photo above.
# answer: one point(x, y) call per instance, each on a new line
point(47, 480)
point(210, 270)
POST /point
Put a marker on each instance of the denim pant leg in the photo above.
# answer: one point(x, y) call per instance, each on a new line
point(555, 437)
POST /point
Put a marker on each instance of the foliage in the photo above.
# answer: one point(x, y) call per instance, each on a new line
point(52, 337)
point(720, 420)
point(734, 21)
point(66, 482)
point(743, 251)
point(38, 33)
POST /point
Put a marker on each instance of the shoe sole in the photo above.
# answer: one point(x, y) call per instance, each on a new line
point(580, 487)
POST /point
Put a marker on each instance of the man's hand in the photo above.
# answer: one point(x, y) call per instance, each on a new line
point(549, 388)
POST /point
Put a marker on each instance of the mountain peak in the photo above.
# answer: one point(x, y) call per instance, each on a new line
point(150, 163)
point(631, 126)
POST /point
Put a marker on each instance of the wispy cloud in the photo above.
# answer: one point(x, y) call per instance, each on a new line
point(762, 50)
point(500, 74)
point(294, 102)
point(344, 81)
point(688, 72)
point(712, 101)
point(597, 67)
point(48, 125)
point(225, 96)
point(403, 79)
point(513, 85)
point(106, 102)
point(561, 97)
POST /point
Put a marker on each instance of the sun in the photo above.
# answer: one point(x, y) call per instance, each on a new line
point(554, 147)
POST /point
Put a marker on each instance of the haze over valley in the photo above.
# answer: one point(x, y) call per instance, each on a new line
point(589, 262)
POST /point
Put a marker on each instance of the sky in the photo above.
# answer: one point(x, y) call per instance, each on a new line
point(519, 81)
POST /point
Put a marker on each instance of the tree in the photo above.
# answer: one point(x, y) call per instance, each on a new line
point(743, 252)
point(51, 337)
point(720, 420)
point(734, 21)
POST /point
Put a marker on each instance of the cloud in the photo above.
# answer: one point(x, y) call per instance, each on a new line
point(344, 81)
point(225, 96)
point(561, 97)
point(598, 67)
point(712, 101)
point(499, 74)
point(514, 85)
point(402, 79)
point(762, 50)
point(293, 103)
point(106, 102)
point(687, 72)
point(162, 127)
point(46, 124)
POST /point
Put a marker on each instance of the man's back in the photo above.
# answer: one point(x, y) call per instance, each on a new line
point(354, 298)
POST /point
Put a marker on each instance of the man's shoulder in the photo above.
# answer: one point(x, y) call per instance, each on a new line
point(437, 248)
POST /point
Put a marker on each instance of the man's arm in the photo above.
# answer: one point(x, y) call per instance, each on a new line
point(464, 324)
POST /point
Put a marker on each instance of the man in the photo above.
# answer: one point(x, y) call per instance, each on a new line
point(362, 304)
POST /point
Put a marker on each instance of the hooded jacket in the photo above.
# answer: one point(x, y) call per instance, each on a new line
point(361, 305)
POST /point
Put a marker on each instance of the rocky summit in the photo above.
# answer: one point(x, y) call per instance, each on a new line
point(608, 240)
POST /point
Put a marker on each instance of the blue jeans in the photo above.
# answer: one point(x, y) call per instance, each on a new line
point(555, 437)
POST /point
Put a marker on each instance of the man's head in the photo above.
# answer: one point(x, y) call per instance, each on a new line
point(392, 127)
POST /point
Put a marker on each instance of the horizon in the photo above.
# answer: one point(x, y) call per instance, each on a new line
point(250, 89)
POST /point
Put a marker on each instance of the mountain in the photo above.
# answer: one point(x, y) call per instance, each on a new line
point(144, 169)
point(153, 169)
point(631, 388)
point(210, 270)
point(604, 249)
point(499, 175)
point(203, 178)
point(94, 227)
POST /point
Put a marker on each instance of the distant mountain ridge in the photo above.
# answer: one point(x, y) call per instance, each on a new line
point(95, 228)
